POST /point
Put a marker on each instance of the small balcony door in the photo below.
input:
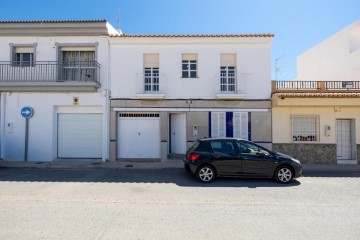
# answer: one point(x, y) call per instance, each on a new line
point(151, 80)
point(227, 80)
point(78, 66)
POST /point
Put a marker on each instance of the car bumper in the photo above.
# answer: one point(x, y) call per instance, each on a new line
point(190, 166)
point(298, 171)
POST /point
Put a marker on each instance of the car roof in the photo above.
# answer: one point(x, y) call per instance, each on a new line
point(221, 138)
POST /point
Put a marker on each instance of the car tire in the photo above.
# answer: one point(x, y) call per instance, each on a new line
point(205, 174)
point(284, 174)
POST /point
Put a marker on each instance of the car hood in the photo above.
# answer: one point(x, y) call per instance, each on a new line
point(283, 155)
point(287, 157)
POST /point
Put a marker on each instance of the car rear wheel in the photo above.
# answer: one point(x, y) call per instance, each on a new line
point(205, 174)
point(284, 174)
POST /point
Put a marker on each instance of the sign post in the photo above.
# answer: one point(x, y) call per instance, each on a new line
point(26, 112)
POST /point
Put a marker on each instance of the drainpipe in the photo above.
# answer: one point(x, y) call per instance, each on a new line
point(107, 104)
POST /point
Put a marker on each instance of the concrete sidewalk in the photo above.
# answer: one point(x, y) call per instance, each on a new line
point(171, 163)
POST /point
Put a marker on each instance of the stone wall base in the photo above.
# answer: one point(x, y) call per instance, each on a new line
point(309, 153)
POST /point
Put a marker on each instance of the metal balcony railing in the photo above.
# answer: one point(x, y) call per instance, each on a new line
point(82, 71)
point(150, 83)
point(315, 86)
point(232, 83)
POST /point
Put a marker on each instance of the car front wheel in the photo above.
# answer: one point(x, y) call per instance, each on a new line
point(284, 174)
point(205, 174)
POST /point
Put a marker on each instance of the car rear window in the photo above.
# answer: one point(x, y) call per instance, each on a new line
point(194, 146)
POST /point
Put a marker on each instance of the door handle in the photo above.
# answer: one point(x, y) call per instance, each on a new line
point(216, 156)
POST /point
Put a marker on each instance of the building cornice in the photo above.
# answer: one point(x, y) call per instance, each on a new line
point(57, 28)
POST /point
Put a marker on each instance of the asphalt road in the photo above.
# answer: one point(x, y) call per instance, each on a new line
point(170, 204)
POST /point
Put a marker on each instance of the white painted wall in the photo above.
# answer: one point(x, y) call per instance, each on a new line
point(43, 130)
point(335, 59)
point(253, 60)
point(43, 124)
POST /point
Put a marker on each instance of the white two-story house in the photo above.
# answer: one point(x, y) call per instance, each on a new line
point(54, 89)
point(169, 90)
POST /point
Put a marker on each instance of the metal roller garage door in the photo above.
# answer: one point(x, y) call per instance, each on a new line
point(79, 135)
point(138, 135)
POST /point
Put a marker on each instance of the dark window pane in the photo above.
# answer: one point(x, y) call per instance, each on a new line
point(193, 74)
point(192, 66)
point(185, 74)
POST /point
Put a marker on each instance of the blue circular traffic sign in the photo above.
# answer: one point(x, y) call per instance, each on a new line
point(27, 112)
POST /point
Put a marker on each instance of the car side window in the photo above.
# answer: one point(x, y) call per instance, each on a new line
point(251, 149)
point(225, 147)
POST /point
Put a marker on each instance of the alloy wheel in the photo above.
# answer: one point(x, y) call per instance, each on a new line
point(284, 175)
point(206, 174)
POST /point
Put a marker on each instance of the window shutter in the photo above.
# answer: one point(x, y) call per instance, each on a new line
point(228, 60)
point(218, 124)
point(240, 123)
point(24, 50)
point(151, 60)
point(189, 57)
point(77, 49)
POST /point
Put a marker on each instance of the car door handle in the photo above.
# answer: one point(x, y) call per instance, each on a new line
point(216, 156)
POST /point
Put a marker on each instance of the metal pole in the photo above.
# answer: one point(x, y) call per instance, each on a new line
point(26, 139)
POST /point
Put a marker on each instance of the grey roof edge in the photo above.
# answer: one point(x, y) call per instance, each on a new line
point(52, 21)
point(250, 35)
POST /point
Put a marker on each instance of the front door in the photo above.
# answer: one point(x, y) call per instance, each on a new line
point(178, 133)
point(343, 142)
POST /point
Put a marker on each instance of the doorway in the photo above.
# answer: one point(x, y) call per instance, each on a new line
point(345, 142)
point(178, 133)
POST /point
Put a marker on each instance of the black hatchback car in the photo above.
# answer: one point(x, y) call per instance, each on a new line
point(211, 157)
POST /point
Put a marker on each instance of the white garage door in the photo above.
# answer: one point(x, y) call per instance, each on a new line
point(79, 135)
point(138, 135)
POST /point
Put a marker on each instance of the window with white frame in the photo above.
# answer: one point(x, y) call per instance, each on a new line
point(23, 56)
point(305, 128)
point(189, 65)
point(227, 73)
point(151, 73)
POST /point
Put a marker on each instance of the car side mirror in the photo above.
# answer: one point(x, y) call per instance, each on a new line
point(260, 154)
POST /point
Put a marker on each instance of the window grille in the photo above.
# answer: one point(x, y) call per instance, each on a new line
point(305, 128)
point(139, 115)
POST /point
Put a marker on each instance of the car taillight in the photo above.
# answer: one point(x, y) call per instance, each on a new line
point(193, 156)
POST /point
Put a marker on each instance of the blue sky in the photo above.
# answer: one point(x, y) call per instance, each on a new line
point(297, 24)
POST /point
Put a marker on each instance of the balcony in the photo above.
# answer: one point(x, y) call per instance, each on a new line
point(150, 85)
point(316, 87)
point(50, 76)
point(232, 86)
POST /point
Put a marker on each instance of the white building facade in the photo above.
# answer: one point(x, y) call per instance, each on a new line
point(336, 58)
point(169, 90)
point(60, 70)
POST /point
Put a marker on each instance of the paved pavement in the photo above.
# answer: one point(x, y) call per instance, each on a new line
point(170, 163)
